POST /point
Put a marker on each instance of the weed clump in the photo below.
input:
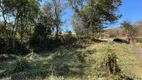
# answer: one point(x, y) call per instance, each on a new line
point(21, 65)
point(104, 64)
point(24, 67)
point(17, 66)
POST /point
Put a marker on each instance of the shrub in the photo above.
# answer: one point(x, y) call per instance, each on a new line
point(19, 65)
point(23, 66)
point(139, 40)
point(104, 64)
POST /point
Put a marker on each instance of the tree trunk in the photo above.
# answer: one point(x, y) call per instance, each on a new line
point(6, 34)
point(57, 35)
point(5, 23)
point(21, 33)
point(14, 35)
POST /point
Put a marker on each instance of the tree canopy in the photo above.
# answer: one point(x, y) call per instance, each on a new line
point(94, 15)
point(26, 22)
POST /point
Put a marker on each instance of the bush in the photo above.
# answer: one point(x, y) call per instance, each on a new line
point(23, 66)
point(20, 49)
point(104, 64)
point(139, 40)
point(18, 66)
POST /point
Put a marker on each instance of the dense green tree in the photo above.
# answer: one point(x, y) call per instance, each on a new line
point(58, 9)
point(22, 14)
point(94, 15)
point(5, 16)
point(46, 18)
point(25, 20)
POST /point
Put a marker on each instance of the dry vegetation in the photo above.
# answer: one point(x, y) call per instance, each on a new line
point(70, 64)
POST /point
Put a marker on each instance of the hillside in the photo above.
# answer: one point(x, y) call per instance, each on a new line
point(103, 61)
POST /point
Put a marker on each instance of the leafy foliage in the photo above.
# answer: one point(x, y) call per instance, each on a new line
point(130, 30)
point(94, 15)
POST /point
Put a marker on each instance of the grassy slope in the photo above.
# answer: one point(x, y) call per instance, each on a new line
point(127, 61)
